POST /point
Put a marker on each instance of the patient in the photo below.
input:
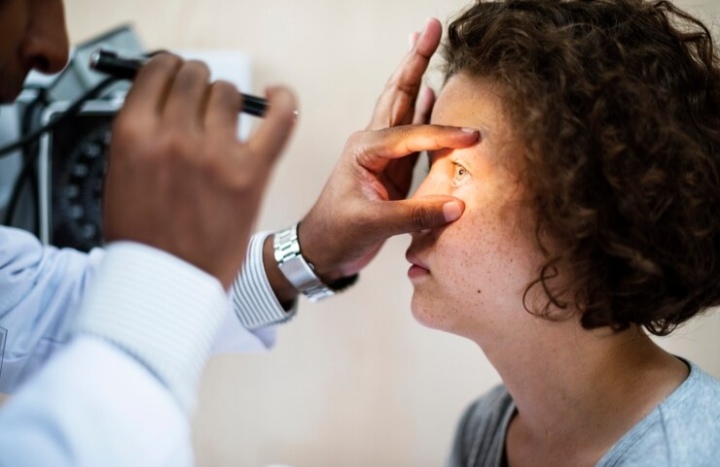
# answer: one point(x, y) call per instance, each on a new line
point(592, 219)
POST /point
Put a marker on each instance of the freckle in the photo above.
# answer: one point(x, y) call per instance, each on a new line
point(479, 291)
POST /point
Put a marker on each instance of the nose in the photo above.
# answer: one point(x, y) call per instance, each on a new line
point(46, 45)
point(433, 184)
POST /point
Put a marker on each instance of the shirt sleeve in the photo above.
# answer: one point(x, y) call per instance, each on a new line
point(253, 299)
point(123, 390)
point(157, 308)
point(41, 288)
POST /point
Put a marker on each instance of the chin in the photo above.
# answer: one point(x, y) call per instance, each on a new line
point(429, 314)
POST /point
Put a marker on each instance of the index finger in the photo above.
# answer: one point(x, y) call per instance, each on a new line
point(273, 133)
point(152, 84)
point(403, 87)
point(375, 149)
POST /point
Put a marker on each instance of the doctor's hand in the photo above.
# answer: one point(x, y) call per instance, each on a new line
point(179, 179)
point(362, 204)
point(405, 100)
point(364, 201)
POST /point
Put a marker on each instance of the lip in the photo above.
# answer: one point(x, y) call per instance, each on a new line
point(418, 267)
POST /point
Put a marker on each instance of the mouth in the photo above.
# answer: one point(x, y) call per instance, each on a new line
point(418, 268)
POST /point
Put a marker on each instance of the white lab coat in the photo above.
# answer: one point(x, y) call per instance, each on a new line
point(95, 403)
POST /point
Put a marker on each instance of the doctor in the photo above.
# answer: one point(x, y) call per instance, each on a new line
point(129, 328)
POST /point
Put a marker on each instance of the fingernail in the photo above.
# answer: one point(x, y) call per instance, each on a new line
point(468, 130)
point(427, 22)
point(422, 31)
point(452, 211)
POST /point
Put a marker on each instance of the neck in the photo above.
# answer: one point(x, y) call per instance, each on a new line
point(577, 390)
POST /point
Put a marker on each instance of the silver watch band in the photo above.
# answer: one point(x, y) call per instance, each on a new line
point(295, 268)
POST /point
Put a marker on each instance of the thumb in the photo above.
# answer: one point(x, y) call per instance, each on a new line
point(411, 215)
point(274, 132)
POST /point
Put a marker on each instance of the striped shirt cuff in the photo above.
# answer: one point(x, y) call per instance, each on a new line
point(160, 310)
point(253, 299)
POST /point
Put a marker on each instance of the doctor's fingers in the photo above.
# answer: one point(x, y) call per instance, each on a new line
point(373, 150)
point(424, 106)
point(397, 102)
point(163, 110)
point(187, 97)
point(146, 99)
point(269, 139)
point(223, 105)
point(390, 218)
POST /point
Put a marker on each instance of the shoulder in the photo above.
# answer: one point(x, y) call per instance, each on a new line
point(691, 418)
point(489, 409)
point(683, 430)
point(694, 406)
point(481, 430)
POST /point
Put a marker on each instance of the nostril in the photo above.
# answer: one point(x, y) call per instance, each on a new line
point(41, 64)
point(45, 53)
point(48, 63)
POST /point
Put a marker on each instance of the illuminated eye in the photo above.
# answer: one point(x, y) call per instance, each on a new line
point(460, 173)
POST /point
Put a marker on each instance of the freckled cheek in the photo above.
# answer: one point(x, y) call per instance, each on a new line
point(481, 217)
point(482, 238)
point(467, 242)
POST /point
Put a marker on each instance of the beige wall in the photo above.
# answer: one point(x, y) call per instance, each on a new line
point(353, 381)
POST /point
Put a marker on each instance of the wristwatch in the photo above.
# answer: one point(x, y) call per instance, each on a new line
point(295, 268)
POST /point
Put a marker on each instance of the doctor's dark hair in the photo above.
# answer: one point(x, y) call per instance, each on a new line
point(617, 106)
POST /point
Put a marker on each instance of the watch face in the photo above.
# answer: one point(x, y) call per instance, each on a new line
point(78, 164)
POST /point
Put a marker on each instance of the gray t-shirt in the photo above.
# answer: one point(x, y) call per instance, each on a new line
point(684, 430)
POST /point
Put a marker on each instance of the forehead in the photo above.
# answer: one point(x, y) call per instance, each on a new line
point(471, 101)
point(476, 102)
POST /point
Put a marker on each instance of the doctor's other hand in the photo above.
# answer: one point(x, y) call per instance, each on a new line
point(363, 202)
point(361, 206)
point(179, 179)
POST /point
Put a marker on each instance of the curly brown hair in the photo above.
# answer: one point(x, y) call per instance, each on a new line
point(617, 104)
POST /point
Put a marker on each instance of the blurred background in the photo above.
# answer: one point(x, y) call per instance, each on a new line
point(352, 381)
